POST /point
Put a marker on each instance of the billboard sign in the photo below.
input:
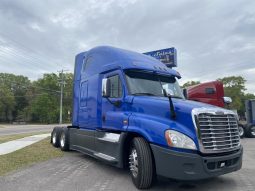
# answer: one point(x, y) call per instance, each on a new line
point(168, 56)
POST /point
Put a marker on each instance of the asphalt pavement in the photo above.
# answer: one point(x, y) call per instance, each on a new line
point(76, 171)
point(19, 129)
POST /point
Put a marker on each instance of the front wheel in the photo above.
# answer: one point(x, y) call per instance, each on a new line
point(141, 163)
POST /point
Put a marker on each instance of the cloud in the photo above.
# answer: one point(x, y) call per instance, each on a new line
point(213, 38)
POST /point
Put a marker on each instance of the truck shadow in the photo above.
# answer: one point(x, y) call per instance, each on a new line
point(217, 183)
point(122, 175)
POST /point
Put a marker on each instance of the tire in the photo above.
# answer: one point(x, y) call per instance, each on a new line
point(141, 163)
point(250, 131)
point(55, 135)
point(64, 140)
point(241, 130)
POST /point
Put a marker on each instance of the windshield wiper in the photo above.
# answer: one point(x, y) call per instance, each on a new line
point(171, 105)
point(144, 93)
point(172, 111)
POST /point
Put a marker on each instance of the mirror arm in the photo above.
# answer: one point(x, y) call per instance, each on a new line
point(116, 104)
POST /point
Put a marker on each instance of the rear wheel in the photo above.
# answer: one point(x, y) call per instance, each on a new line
point(64, 140)
point(141, 163)
point(251, 131)
point(55, 136)
point(241, 130)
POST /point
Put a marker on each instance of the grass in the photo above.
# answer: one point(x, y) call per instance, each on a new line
point(38, 152)
point(6, 138)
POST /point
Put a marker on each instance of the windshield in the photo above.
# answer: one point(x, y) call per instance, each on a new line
point(142, 83)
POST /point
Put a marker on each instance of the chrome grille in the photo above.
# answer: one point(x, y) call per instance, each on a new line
point(217, 132)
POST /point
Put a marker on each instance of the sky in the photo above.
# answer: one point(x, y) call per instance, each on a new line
point(213, 38)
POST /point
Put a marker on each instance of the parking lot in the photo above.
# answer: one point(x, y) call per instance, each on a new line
point(76, 171)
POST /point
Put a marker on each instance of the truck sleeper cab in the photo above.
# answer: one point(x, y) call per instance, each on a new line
point(123, 106)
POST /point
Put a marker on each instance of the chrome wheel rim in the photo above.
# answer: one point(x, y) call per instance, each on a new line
point(62, 140)
point(241, 131)
point(133, 162)
point(253, 131)
point(54, 138)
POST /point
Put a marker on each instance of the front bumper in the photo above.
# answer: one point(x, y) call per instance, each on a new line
point(188, 166)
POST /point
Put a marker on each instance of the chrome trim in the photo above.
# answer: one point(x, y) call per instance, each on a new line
point(232, 122)
point(110, 137)
point(104, 84)
point(227, 100)
point(104, 156)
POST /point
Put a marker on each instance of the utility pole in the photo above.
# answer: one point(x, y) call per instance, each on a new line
point(62, 84)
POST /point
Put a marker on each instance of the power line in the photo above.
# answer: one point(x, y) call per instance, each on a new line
point(36, 54)
point(16, 56)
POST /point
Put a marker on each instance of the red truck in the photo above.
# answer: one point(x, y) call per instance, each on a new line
point(213, 93)
point(209, 92)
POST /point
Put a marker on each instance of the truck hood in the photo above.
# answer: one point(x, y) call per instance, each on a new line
point(158, 109)
point(159, 106)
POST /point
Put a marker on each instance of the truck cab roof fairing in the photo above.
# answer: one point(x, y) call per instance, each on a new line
point(104, 58)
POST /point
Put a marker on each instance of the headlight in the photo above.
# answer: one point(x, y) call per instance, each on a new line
point(179, 140)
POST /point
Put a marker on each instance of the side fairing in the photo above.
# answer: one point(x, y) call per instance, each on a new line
point(88, 107)
point(76, 88)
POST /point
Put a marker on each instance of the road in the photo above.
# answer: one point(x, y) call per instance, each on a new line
point(19, 129)
point(76, 171)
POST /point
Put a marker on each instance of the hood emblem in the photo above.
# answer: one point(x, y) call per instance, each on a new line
point(219, 113)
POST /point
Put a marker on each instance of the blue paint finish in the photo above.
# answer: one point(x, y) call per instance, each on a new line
point(114, 116)
point(76, 88)
point(146, 115)
point(102, 60)
point(150, 115)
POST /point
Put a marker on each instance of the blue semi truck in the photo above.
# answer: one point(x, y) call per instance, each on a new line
point(129, 111)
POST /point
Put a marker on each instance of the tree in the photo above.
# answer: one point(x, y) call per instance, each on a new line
point(234, 87)
point(38, 101)
point(68, 97)
point(18, 85)
point(190, 83)
point(234, 82)
point(7, 104)
point(44, 107)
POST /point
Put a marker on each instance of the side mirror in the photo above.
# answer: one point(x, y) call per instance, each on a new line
point(185, 93)
point(227, 100)
point(106, 87)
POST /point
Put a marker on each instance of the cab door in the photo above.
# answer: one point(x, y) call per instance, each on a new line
point(83, 109)
point(113, 107)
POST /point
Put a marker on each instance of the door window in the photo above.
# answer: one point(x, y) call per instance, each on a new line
point(116, 86)
point(209, 90)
